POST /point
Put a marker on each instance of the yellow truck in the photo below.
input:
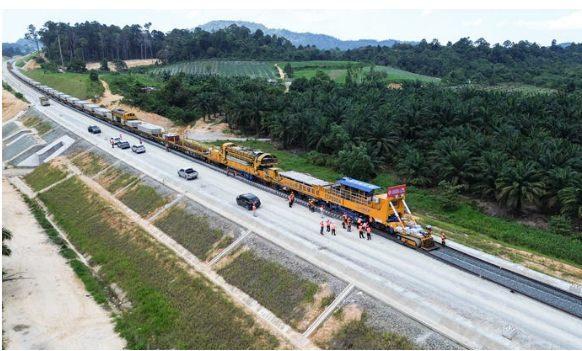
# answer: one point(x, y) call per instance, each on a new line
point(44, 101)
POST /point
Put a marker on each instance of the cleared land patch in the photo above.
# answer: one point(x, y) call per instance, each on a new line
point(74, 84)
point(172, 306)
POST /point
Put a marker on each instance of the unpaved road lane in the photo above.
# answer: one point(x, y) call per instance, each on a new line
point(48, 307)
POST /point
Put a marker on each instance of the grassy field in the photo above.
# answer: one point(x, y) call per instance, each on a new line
point(143, 199)
point(42, 127)
point(43, 176)
point(337, 70)
point(273, 286)
point(90, 163)
point(74, 84)
point(252, 69)
point(356, 335)
point(114, 179)
point(193, 232)
point(93, 286)
point(468, 224)
point(172, 308)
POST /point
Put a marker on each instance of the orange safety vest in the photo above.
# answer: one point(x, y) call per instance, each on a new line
point(333, 226)
point(359, 221)
point(369, 230)
point(327, 223)
point(349, 221)
point(254, 208)
point(360, 228)
point(321, 224)
point(443, 237)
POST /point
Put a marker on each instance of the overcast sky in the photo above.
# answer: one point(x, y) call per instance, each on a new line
point(496, 26)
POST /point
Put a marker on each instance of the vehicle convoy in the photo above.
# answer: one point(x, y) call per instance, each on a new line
point(386, 211)
point(44, 101)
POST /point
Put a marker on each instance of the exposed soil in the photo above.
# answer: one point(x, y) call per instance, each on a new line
point(314, 309)
point(129, 63)
point(333, 324)
point(47, 306)
point(11, 105)
point(495, 210)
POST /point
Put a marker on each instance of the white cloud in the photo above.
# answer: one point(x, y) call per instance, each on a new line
point(425, 13)
point(474, 23)
point(571, 22)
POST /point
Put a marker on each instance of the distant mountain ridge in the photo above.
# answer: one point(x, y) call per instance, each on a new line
point(321, 41)
point(21, 47)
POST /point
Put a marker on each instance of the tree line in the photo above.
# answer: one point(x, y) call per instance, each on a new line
point(460, 62)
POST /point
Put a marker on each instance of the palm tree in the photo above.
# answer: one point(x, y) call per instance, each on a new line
point(281, 127)
point(519, 185)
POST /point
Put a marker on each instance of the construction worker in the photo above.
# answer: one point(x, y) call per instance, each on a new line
point(333, 229)
point(120, 137)
point(112, 144)
point(311, 205)
point(361, 229)
point(371, 221)
point(167, 147)
point(344, 220)
point(349, 224)
point(140, 141)
point(369, 232)
point(429, 229)
point(321, 231)
point(359, 220)
point(292, 198)
point(444, 239)
point(321, 211)
point(290, 201)
point(254, 210)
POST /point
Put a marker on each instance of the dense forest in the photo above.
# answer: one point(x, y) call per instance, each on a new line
point(460, 62)
point(520, 150)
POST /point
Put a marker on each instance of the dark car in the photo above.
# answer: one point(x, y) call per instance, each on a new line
point(188, 173)
point(124, 145)
point(94, 129)
point(138, 149)
point(247, 200)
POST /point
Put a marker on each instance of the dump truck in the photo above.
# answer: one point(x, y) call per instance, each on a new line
point(44, 101)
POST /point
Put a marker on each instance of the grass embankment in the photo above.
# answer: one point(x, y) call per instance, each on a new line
point(171, 308)
point(143, 199)
point(467, 225)
point(273, 286)
point(192, 232)
point(114, 179)
point(42, 127)
point(43, 176)
point(15, 93)
point(75, 84)
point(356, 335)
point(93, 286)
point(90, 163)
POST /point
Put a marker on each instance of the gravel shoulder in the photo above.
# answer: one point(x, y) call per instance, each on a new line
point(47, 307)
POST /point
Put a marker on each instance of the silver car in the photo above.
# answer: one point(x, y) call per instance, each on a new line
point(138, 149)
point(188, 173)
